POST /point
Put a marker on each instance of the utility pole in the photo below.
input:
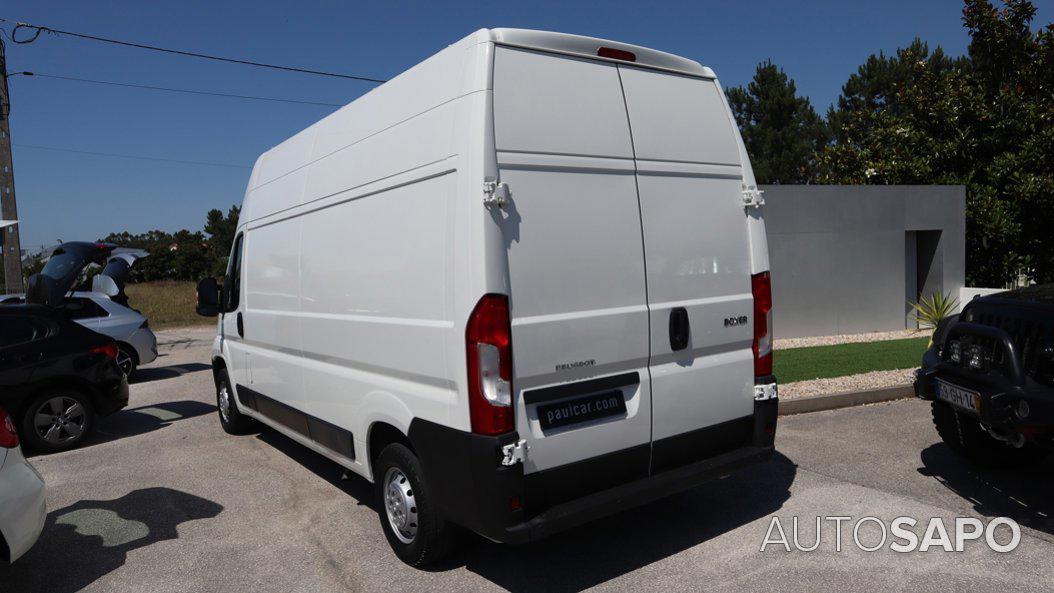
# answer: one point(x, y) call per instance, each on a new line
point(12, 251)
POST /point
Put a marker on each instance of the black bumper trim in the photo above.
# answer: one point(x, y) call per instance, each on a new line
point(331, 436)
point(589, 508)
point(545, 394)
point(999, 397)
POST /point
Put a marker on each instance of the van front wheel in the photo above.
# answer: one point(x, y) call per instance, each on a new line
point(414, 529)
point(231, 419)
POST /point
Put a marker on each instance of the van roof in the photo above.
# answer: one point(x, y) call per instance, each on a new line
point(580, 45)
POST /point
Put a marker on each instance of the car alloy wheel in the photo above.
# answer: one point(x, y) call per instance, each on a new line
point(60, 420)
point(125, 362)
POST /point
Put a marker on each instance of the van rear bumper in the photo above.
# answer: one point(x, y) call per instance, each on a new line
point(474, 490)
point(608, 502)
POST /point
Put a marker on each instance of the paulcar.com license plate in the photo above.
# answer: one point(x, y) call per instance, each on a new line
point(957, 396)
point(600, 405)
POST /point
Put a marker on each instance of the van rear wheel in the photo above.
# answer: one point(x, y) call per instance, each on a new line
point(410, 521)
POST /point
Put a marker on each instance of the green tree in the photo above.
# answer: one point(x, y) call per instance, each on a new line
point(781, 131)
point(1012, 70)
point(221, 230)
point(183, 255)
point(984, 120)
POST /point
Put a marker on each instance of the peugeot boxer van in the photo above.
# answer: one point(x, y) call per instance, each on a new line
point(521, 286)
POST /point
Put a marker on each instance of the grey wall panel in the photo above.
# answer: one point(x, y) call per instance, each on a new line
point(839, 254)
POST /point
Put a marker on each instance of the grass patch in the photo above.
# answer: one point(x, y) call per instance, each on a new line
point(823, 362)
point(167, 303)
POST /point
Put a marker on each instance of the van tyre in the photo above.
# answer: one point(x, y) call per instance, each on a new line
point(965, 435)
point(231, 419)
point(410, 521)
point(57, 420)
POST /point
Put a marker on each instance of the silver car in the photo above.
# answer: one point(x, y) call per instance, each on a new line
point(22, 507)
point(104, 308)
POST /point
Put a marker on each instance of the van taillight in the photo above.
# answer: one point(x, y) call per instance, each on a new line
point(488, 350)
point(8, 435)
point(761, 286)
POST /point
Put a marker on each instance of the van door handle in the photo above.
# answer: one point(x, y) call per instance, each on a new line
point(241, 325)
point(679, 328)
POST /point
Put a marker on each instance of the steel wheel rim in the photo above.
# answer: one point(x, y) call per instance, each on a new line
point(124, 361)
point(225, 404)
point(60, 420)
point(400, 505)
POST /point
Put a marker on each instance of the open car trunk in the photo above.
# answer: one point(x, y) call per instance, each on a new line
point(66, 266)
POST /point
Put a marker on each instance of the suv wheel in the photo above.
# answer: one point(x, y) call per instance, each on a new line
point(57, 420)
point(231, 419)
point(965, 435)
point(414, 529)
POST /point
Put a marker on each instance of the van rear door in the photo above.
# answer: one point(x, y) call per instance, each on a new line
point(576, 269)
point(697, 250)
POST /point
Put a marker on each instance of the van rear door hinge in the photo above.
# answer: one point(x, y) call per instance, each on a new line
point(766, 392)
point(514, 453)
point(752, 197)
point(495, 194)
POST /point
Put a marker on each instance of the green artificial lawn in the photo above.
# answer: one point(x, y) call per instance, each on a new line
point(821, 362)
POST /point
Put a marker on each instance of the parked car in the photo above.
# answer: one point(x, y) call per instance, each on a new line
point(22, 506)
point(476, 289)
point(990, 376)
point(100, 304)
point(56, 376)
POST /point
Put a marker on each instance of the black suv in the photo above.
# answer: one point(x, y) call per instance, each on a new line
point(990, 376)
point(56, 376)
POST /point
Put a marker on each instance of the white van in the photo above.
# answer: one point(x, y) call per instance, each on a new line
point(521, 286)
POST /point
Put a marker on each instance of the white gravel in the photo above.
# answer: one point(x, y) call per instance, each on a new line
point(788, 343)
point(863, 382)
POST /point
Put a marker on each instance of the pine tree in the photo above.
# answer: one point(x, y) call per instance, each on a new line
point(781, 130)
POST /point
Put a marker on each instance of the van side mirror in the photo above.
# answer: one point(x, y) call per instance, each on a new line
point(208, 297)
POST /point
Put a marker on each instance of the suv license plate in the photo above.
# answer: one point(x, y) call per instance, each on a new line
point(600, 405)
point(959, 397)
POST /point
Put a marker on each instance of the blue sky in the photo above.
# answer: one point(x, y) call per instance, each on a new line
point(81, 197)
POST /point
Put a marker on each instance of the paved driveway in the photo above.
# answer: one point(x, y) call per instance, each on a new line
point(163, 500)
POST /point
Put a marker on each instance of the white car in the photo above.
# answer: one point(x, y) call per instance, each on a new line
point(520, 286)
point(22, 506)
point(103, 308)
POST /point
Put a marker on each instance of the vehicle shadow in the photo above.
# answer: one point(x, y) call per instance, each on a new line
point(605, 549)
point(352, 484)
point(617, 545)
point(1025, 495)
point(145, 375)
point(89, 539)
point(135, 421)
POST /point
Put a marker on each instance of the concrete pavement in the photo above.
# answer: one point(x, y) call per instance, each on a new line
point(163, 500)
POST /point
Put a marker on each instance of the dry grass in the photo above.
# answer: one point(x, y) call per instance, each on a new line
point(166, 304)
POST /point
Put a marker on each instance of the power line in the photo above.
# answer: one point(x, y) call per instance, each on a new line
point(130, 156)
point(38, 29)
point(188, 91)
